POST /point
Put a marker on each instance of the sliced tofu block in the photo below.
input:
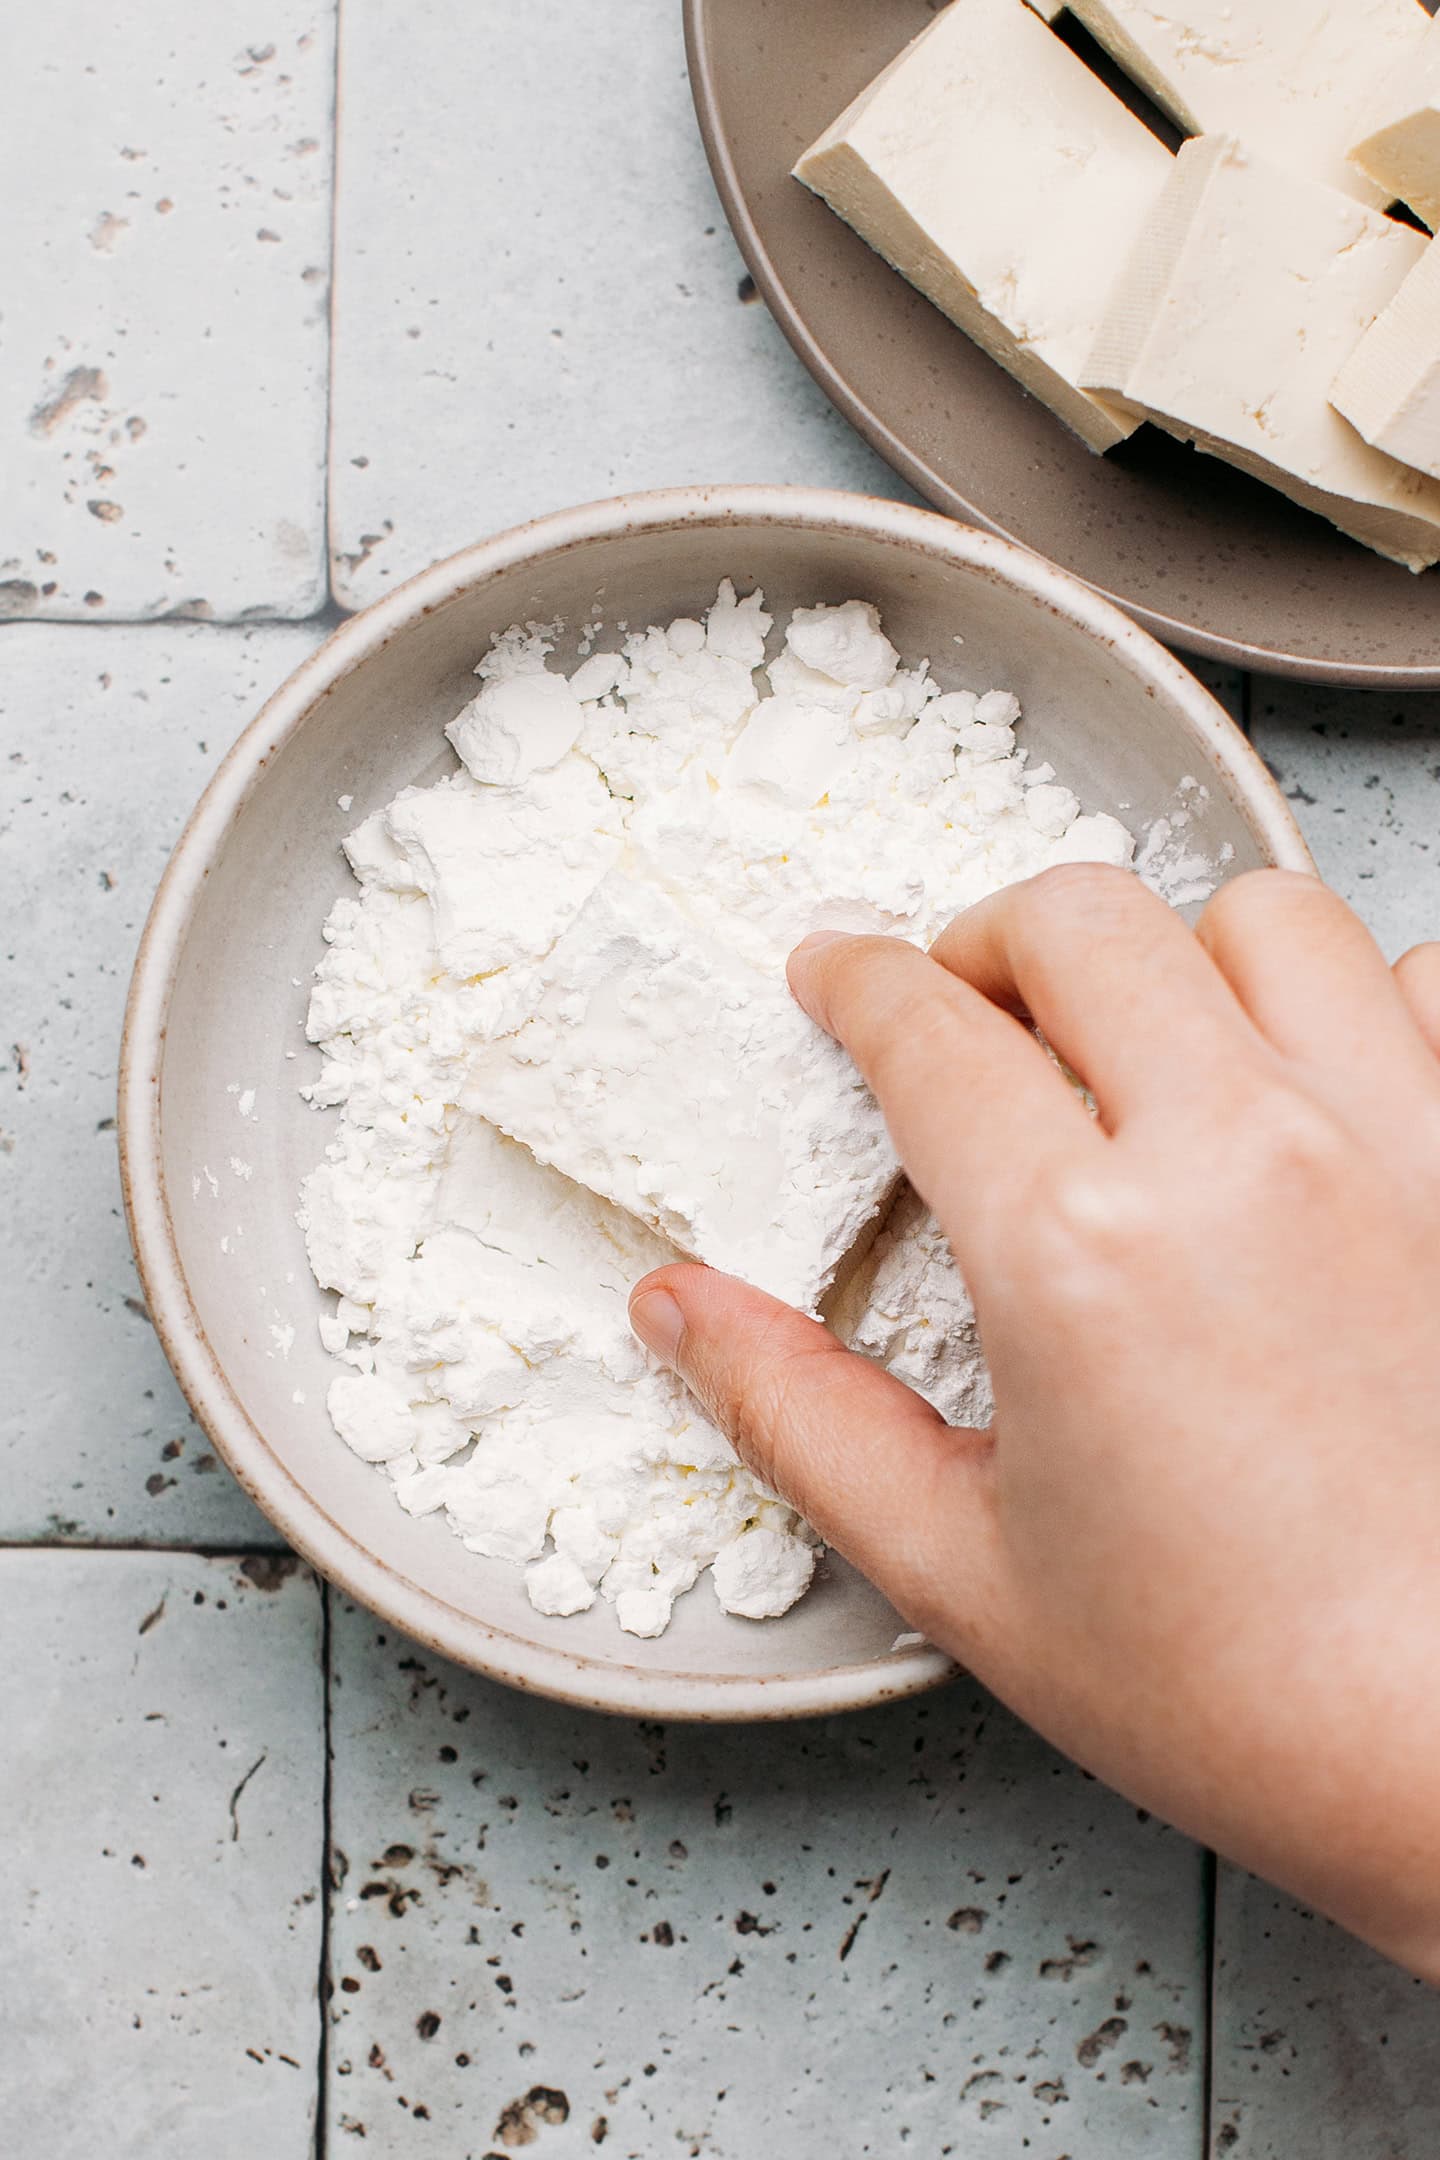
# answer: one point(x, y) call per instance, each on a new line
point(1389, 388)
point(652, 1064)
point(1241, 302)
point(1292, 78)
point(1401, 151)
point(1000, 177)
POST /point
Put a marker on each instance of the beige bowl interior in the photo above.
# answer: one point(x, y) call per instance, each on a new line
point(220, 994)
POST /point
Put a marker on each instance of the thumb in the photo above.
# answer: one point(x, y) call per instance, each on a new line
point(880, 1474)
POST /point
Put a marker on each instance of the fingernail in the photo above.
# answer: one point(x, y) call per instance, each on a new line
point(818, 938)
point(658, 1321)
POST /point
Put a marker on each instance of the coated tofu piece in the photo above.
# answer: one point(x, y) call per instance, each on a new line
point(1293, 77)
point(1249, 289)
point(654, 1065)
point(1002, 178)
point(1389, 388)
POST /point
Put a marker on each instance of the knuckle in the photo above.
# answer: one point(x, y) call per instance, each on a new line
point(1422, 1144)
point(762, 1407)
point(1077, 888)
point(1088, 1226)
point(1421, 963)
point(1291, 1139)
point(1256, 893)
point(1417, 978)
point(1094, 899)
point(1082, 882)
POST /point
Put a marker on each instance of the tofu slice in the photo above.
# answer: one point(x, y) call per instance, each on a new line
point(997, 174)
point(1401, 153)
point(1291, 76)
point(1389, 388)
point(655, 1066)
point(1248, 291)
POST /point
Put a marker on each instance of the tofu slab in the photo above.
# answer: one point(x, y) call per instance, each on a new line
point(1400, 152)
point(1002, 178)
point(652, 1064)
point(1293, 77)
point(1389, 388)
point(1249, 289)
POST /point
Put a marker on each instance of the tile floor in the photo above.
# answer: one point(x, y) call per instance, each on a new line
point(272, 1880)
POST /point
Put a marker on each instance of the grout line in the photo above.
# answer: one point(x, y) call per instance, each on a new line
point(328, 536)
point(330, 613)
point(229, 1550)
point(322, 1986)
point(1210, 1879)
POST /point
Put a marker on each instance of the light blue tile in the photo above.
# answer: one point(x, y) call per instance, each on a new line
point(161, 1782)
point(1322, 2048)
point(538, 300)
point(164, 367)
point(106, 738)
point(1362, 772)
point(913, 1930)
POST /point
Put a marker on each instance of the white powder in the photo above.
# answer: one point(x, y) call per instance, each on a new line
point(580, 936)
point(1168, 860)
point(905, 1304)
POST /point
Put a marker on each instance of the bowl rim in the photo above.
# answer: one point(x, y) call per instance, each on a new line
point(563, 1674)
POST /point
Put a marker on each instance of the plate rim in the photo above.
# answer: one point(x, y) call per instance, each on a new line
point(868, 423)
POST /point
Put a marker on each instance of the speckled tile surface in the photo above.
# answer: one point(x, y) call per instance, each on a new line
point(917, 1931)
point(163, 373)
point(1362, 771)
point(161, 1783)
point(106, 738)
point(543, 305)
point(1321, 2048)
point(913, 1929)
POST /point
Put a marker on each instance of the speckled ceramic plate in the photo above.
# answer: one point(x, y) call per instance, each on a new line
point(1202, 556)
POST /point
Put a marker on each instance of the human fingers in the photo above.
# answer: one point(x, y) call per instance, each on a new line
point(879, 1473)
point(1312, 978)
point(973, 1103)
point(1112, 977)
point(1417, 974)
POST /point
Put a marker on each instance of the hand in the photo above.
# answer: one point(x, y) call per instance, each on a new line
point(1199, 1547)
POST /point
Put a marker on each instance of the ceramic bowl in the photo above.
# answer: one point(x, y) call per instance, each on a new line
point(215, 1052)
